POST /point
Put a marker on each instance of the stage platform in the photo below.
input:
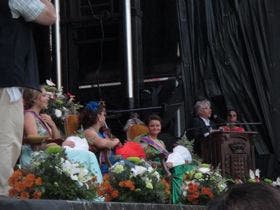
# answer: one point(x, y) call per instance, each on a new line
point(15, 204)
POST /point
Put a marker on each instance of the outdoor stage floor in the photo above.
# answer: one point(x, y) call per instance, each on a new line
point(15, 204)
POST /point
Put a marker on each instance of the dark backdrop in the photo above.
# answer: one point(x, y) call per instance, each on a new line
point(231, 56)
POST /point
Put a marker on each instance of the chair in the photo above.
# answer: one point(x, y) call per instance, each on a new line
point(136, 130)
point(71, 124)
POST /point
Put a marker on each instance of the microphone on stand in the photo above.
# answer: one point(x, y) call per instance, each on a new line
point(218, 120)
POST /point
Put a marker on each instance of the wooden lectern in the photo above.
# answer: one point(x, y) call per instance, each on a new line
point(233, 151)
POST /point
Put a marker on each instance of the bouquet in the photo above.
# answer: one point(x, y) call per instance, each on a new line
point(133, 180)
point(202, 184)
point(25, 185)
point(51, 176)
point(60, 104)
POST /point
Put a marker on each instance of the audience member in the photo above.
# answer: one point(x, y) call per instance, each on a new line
point(254, 196)
point(92, 118)
point(232, 119)
point(18, 67)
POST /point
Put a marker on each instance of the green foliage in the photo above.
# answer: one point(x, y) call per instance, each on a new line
point(134, 183)
point(61, 178)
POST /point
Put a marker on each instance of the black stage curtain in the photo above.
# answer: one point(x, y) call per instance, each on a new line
point(232, 58)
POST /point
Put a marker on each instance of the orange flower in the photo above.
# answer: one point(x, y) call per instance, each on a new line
point(12, 192)
point(19, 186)
point(107, 191)
point(22, 185)
point(16, 176)
point(38, 181)
point(108, 198)
point(166, 185)
point(115, 194)
point(37, 195)
point(127, 184)
point(29, 180)
point(192, 187)
point(193, 197)
point(17, 173)
point(207, 191)
point(24, 195)
point(106, 177)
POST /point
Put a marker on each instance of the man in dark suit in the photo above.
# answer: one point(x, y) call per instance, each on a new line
point(201, 125)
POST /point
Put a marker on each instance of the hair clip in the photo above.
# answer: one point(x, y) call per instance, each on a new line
point(93, 105)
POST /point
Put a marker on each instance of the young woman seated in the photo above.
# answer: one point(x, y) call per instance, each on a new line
point(155, 150)
point(36, 124)
point(92, 118)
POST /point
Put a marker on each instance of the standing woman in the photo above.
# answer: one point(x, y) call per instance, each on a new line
point(93, 119)
point(35, 122)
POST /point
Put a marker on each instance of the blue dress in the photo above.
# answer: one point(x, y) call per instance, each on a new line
point(104, 166)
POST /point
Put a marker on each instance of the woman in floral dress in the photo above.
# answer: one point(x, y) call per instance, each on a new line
point(35, 122)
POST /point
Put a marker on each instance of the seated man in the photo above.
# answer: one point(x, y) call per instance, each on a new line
point(201, 125)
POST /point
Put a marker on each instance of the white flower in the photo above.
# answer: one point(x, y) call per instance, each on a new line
point(257, 172)
point(276, 183)
point(156, 174)
point(149, 185)
point(150, 169)
point(58, 113)
point(84, 175)
point(118, 168)
point(254, 175)
point(50, 83)
point(74, 177)
point(138, 170)
point(204, 170)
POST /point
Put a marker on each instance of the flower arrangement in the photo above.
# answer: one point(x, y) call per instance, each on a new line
point(202, 184)
point(60, 104)
point(52, 176)
point(133, 180)
point(255, 177)
point(25, 185)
